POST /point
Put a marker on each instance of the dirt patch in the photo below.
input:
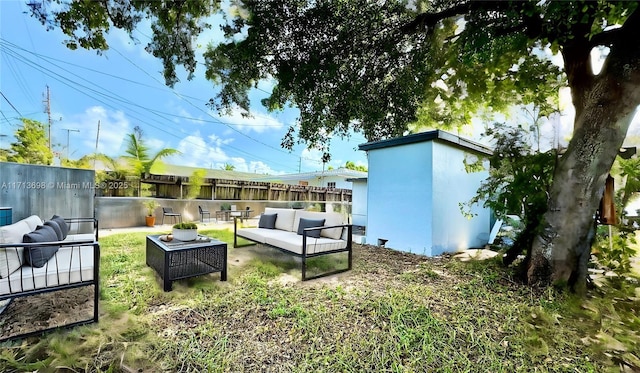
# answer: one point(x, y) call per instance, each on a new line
point(48, 310)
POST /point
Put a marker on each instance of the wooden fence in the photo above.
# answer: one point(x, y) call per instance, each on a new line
point(168, 186)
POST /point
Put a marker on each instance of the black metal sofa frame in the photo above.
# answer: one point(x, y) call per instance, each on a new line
point(95, 281)
point(304, 256)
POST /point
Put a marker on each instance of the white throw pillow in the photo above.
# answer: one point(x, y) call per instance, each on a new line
point(284, 221)
point(11, 257)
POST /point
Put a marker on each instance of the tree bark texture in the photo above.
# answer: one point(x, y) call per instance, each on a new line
point(607, 105)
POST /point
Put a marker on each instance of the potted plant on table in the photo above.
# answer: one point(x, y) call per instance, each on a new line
point(185, 231)
point(151, 206)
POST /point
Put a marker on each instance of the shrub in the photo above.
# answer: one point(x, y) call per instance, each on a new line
point(185, 225)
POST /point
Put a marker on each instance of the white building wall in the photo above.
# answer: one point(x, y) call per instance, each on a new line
point(359, 202)
point(399, 197)
point(323, 181)
point(452, 185)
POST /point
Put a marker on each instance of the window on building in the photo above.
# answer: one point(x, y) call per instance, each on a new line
point(331, 184)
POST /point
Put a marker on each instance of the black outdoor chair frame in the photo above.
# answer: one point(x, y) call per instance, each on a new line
point(47, 289)
point(204, 212)
point(168, 211)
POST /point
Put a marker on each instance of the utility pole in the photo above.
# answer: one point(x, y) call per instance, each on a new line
point(69, 130)
point(47, 109)
point(96, 152)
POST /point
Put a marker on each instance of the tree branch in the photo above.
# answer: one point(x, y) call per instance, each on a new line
point(606, 38)
point(428, 20)
point(630, 28)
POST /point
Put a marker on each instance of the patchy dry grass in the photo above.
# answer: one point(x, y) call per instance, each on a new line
point(394, 312)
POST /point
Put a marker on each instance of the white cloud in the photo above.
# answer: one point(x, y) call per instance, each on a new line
point(219, 141)
point(154, 145)
point(113, 127)
point(262, 168)
point(361, 163)
point(199, 120)
point(311, 158)
point(256, 167)
point(257, 122)
point(197, 152)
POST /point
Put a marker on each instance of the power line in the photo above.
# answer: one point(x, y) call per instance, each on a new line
point(179, 95)
point(4, 116)
point(157, 112)
point(14, 108)
point(19, 79)
point(72, 85)
point(200, 109)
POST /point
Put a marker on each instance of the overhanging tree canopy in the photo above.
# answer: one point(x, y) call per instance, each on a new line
point(378, 66)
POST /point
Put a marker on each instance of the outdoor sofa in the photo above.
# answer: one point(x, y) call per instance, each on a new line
point(304, 234)
point(39, 256)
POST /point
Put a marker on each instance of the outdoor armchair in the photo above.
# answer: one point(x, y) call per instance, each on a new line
point(168, 211)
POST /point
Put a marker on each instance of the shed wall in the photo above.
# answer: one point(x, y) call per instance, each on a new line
point(399, 200)
point(452, 186)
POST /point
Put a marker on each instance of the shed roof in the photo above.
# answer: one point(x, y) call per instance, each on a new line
point(436, 135)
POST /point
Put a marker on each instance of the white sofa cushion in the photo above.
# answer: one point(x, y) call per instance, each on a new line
point(292, 242)
point(330, 219)
point(11, 258)
point(71, 264)
point(33, 221)
point(254, 234)
point(285, 218)
point(13, 233)
point(81, 237)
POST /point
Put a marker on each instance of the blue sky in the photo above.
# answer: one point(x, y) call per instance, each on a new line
point(124, 88)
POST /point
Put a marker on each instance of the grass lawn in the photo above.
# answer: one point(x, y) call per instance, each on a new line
point(394, 312)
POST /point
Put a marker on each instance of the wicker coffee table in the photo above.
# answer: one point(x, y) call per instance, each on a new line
point(177, 259)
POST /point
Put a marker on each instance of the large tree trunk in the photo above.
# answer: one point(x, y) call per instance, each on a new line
point(604, 110)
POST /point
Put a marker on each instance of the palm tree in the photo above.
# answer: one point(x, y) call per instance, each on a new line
point(114, 170)
point(138, 153)
point(228, 167)
point(137, 161)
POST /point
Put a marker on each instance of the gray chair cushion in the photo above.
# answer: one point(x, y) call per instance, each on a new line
point(309, 223)
point(39, 255)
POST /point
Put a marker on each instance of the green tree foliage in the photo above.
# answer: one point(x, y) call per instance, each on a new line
point(363, 65)
point(615, 246)
point(228, 167)
point(519, 178)
point(352, 166)
point(137, 153)
point(86, 162)
point(629, 170)
point(4, 153)
point(195, 182)
point(31, 144)
point(615, 252)
point(518, 184)
point(115, 169)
